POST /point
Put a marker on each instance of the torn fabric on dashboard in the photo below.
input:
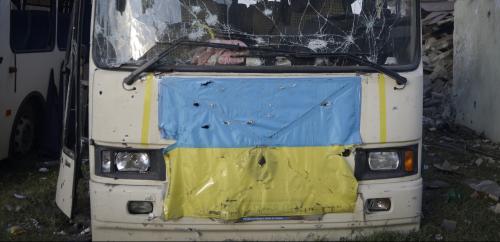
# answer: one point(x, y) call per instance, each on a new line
point(260, 146)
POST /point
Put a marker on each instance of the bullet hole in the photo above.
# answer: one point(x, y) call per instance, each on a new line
point(206, 126)
point(100, 92)
point(346, 153)
point(132, 96)
point(326, 104)
point(262, 161)
point(250, 122)
point(489, 14)
point(206, 84)
point(475, 104)
point(196, 104)
point(227, 122)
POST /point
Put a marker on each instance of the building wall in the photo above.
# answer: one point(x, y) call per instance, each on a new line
point(476, 85)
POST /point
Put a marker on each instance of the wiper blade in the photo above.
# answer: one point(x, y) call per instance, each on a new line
point(400, 80)
point(130, 79)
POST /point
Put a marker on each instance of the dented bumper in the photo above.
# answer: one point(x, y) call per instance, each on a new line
point(112, 221)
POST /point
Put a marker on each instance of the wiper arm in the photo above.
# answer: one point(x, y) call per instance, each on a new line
point(130, 79)
point(400, 80)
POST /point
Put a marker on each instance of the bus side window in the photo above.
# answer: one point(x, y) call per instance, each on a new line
point(32, 25)
point(63, 21)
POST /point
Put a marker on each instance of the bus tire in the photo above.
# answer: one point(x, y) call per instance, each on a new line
point(25, 130)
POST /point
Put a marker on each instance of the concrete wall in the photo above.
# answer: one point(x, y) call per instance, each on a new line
point(476, 85)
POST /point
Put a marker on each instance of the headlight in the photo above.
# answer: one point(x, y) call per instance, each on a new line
point(137, 164)
point(134, 162)
point(383, 161)
point(386, 163)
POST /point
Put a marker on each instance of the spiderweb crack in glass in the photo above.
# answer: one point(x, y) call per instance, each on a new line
point(383, 30)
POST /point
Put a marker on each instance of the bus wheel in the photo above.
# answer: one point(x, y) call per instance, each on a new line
point(23, 139)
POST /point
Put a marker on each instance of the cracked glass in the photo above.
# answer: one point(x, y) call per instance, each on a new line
point(129, 32)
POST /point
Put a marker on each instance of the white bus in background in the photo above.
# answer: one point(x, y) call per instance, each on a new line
point(33, 41)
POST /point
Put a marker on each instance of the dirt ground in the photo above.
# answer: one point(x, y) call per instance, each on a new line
point(28, 210)
point(27, 204)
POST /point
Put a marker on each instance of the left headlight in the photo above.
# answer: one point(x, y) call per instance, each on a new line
point(129, 163)
point(134, 162)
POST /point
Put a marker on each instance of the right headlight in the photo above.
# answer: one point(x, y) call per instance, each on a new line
point(383, 161)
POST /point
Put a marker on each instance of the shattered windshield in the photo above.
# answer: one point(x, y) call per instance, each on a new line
point(130, 32)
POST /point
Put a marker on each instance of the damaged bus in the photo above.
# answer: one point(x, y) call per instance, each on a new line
point(244, 119)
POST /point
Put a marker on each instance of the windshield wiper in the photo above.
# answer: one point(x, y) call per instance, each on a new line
point(130, 79)
point(400, 80)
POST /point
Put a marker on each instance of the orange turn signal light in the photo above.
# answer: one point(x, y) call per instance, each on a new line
point(409, 156)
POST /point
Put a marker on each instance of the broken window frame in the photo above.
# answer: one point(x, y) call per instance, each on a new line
point(282, 69)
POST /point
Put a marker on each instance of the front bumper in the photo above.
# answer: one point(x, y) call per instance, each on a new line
point(111, 221)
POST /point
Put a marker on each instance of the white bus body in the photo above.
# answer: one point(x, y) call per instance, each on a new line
point(32, 44)
point(127, 118)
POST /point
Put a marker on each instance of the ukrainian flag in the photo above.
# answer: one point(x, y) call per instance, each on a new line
point(260, 146)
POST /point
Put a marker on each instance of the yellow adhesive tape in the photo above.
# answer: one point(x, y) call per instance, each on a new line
point(383, 108)
point(146, 113)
